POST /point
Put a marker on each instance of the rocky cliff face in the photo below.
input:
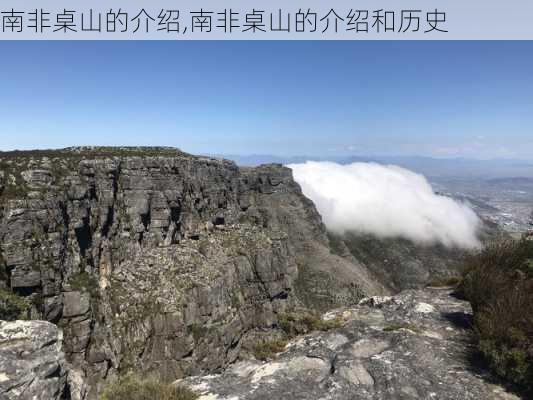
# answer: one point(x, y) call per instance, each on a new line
point(156, 260)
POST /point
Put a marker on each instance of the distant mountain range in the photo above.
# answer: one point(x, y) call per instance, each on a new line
point(428, 166)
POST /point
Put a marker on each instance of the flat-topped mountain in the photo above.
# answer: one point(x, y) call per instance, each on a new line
point(154, 260)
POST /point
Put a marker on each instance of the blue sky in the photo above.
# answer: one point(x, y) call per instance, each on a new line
point(444, 99)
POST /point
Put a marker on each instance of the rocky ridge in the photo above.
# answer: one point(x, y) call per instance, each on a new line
point(416, 345)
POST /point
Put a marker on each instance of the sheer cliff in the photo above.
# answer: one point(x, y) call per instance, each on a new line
point(152, 259)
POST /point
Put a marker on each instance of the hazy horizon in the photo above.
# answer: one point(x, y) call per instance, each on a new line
point(283, 156)
point(335, 99)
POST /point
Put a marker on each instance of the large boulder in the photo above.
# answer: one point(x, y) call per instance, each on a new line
point(32, 365)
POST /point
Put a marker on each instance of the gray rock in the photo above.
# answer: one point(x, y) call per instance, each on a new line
point(75, 304)
point(399, 353)
point(22, 277)
point(37, 178)
point(32, 365)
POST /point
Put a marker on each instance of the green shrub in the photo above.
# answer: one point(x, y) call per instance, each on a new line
point(266, 350)
point(13, 307)
point(294, 324)
point(131, 387)
point(498, 282)
point(85, 282)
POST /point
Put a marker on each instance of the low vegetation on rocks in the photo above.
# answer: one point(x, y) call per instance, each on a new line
point(266, 350)
point(498, 282)
point(85, 282)
point(13, 307)
point(131, 387)
point(294, 324)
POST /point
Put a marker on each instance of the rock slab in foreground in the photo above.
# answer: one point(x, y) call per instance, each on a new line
point(411, 346)
point(32, 365)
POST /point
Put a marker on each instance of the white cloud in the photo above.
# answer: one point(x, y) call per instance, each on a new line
point(387, 201)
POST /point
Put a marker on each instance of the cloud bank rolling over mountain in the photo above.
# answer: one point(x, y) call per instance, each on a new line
point(387, 201)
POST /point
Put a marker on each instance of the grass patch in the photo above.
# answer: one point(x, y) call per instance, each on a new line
point(131, 387)
point(498, 282)
point(13, 307)
point(294, 324)
point(267, 350)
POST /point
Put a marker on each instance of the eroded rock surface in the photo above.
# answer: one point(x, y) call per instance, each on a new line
point(415, 345)
point(151, 259)
point(32, 364)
